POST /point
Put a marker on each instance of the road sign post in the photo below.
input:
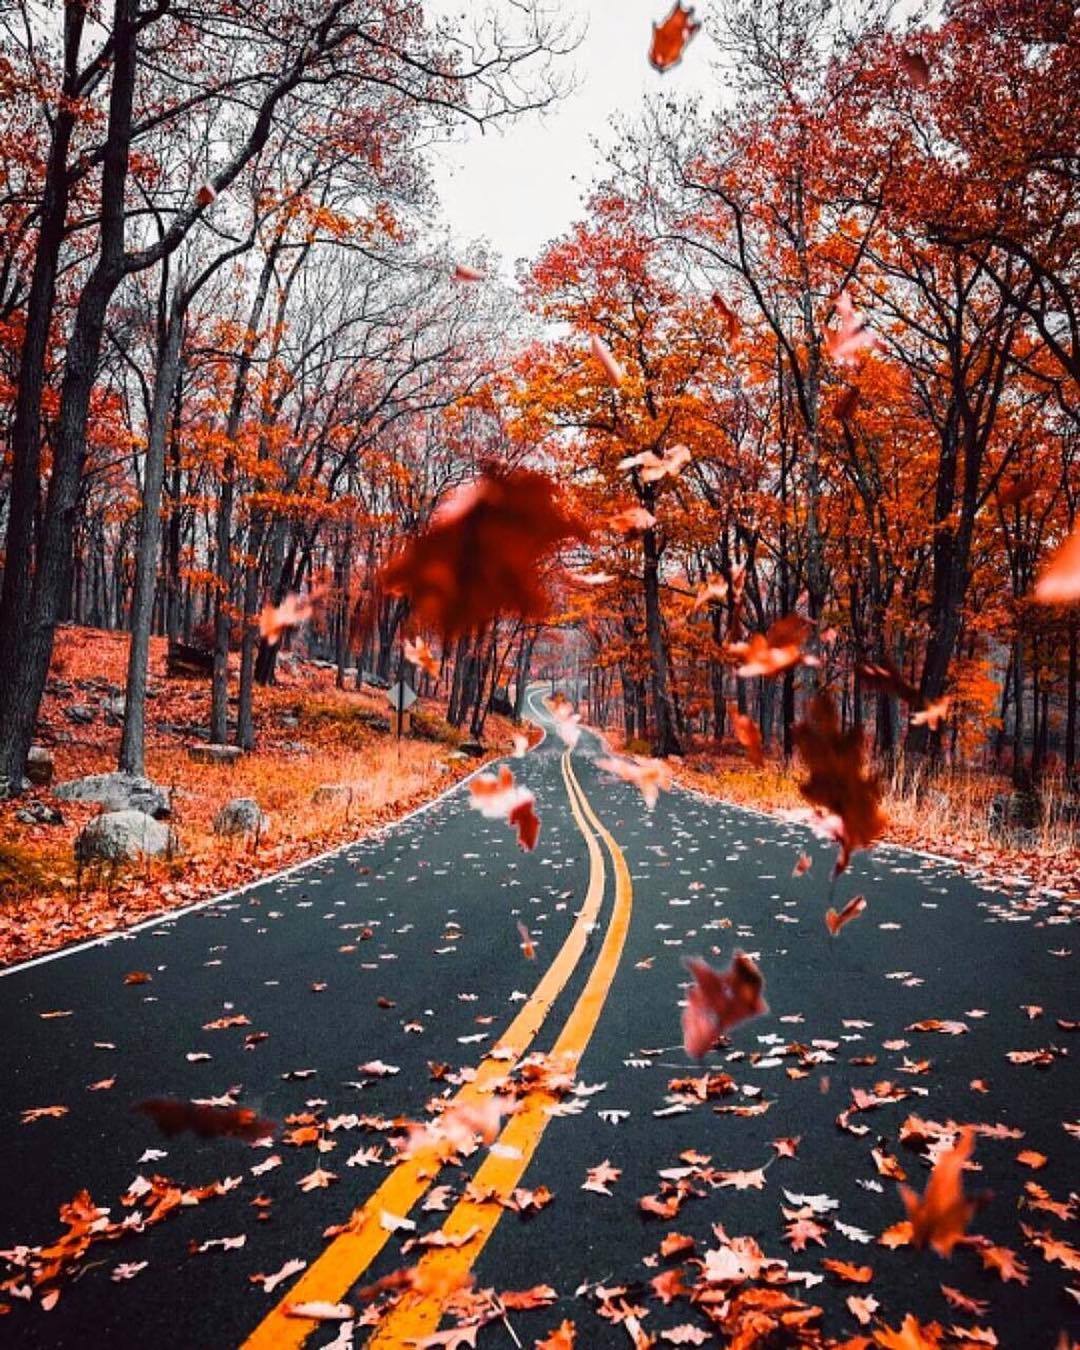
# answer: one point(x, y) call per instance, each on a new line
point(401, 698)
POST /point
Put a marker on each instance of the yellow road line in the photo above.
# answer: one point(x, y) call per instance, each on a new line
point(346, 1258)
point(417, 1315)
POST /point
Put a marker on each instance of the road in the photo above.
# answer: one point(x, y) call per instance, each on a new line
point(403, 949)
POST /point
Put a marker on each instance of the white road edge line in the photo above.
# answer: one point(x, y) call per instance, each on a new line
point(121, 934)
point(966, 869)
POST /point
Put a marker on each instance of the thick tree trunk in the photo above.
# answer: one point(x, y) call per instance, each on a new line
point(25, 445)
point(132, 740)
point(53, 571)
point(1070, 707)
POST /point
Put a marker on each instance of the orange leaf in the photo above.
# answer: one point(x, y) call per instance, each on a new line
point(940, 1216)
point(671, 38)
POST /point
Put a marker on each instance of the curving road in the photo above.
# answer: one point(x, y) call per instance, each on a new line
point(402, 952)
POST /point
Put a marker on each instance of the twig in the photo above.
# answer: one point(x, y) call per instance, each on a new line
point(500, 1308)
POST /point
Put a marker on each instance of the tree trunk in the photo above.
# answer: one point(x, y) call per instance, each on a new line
point(1070, 707)
point(665, 735)
point(25, 445)
point(219, 689)
point(132, 741)
point(52, 575)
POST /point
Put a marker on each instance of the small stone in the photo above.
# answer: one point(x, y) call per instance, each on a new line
point(39, 813)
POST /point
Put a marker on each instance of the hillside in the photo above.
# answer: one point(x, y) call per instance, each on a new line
point(310, 735)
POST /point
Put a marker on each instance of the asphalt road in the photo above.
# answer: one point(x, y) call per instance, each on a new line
point(423, 918)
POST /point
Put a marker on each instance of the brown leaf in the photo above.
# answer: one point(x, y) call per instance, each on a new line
point(839, 784)
point(208, 1122)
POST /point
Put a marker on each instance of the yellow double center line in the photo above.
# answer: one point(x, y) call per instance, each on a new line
point(342, 1263)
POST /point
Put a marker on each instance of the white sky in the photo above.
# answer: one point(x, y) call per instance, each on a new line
point(522, 186)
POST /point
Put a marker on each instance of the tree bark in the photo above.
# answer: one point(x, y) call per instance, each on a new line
point(52, 574)
point(25, 446)
point(665, 733)
point(133, 739)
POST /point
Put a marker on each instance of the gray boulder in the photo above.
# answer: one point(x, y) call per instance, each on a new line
point(118, 792)
point(241, 815)
point(39, 766)
point(117, 836)
point(214, 754)
point(80, 714)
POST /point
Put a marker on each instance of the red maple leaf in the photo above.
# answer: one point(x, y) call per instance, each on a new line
point(839, 784)
point(480, 555)
point(719, 999)
point(208, 1122)
point(671, 38)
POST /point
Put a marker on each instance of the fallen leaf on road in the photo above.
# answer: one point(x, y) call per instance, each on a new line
point(599, 1177)
point(321, 1312)
point(270, 1282)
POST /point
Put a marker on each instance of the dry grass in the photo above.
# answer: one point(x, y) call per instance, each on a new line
point(945, 811)
point(339, 738)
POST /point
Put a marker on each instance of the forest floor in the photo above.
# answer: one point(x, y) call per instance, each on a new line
point(309, 734)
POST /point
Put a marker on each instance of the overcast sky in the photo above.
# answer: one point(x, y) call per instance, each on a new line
point(522, 186)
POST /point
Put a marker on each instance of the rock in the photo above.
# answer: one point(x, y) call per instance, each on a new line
point(118, 792)
point(39, 813)
point(214, 754)
point(114, 708)
point(289, 721)
point(39, 766)
point(332, 792)
point(1014, 811)
point(369, 677)
point(295, 748)
point(241, 815)
point(473, 749)
point(80, 714)
point(119, 835)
